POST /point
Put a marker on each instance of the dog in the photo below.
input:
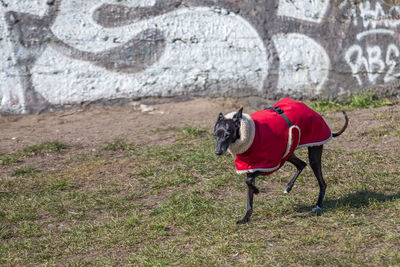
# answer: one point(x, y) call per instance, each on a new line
point(263, 141)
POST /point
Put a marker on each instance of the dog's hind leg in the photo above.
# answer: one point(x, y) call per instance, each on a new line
point(251, 190)
point(300, 165)
point(314, 155)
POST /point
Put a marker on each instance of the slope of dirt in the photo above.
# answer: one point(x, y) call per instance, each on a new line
point(91, 127)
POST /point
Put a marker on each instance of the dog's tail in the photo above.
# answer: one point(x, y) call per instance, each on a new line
point(344, 127)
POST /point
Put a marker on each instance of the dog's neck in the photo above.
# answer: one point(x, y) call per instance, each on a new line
point(246, 134)
point(237, 134)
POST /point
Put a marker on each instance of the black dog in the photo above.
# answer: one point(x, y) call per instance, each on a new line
point(227, 131)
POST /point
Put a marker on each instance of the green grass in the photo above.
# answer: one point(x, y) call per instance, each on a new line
point(45, 147)
point(25, 171)
point(191, 132)
point(30, 151)
point(8, 159)
point(118, 144)
point(178, 205)
point(363, 100)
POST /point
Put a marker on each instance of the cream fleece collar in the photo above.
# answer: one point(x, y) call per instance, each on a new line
point(247, 133)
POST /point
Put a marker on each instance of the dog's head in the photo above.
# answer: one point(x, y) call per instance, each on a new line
point(226, 131)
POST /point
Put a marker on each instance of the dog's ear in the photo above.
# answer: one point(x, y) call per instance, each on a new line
point(238, 116)
point(220, 117)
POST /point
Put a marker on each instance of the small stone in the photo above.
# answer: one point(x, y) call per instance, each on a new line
point(157, 112)
point(145, 108)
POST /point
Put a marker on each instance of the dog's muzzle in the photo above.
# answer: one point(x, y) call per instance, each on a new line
point(221, 149)
point(219, 152)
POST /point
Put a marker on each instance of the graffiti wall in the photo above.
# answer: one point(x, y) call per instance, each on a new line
point(66, 52)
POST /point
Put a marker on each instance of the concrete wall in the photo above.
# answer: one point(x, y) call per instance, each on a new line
point(66, 52)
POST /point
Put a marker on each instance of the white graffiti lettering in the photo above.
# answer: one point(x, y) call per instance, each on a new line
point(313, 11)
point(376, 65)
point(374, 19)
point(371, 17)
point(357, 63)
point(363, 34)
point(373, 64)
point(392, 52)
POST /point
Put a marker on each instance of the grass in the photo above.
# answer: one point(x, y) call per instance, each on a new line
point(32, 150)
point(8, 159)
point(23, 171)
point(45, 147)
point(363, 100)
point(177, 205)
point(118, 144)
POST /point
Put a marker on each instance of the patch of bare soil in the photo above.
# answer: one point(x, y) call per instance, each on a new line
point(91, 127)
point(376, 130)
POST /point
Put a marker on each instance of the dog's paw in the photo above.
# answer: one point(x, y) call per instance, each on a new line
point(287, 190)
point(243, 221)
point(317, 209)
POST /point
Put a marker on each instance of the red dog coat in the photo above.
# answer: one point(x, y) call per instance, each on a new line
point(274, 142)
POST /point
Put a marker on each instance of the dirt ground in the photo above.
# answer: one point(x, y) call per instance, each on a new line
point(91, 127)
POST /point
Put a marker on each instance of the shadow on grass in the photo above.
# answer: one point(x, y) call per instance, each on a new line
point(354, 200)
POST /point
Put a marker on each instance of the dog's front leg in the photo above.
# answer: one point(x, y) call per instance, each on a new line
point(251, 190)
